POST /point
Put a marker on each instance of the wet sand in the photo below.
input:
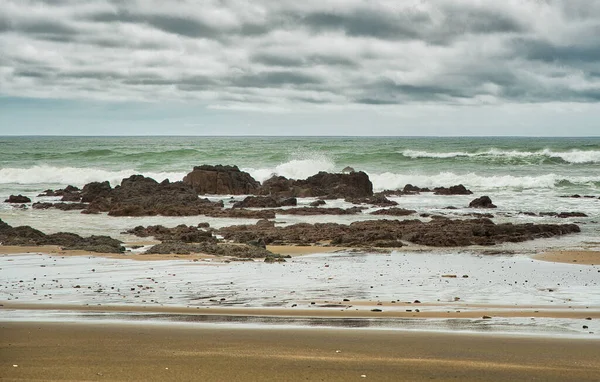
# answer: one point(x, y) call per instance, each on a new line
point(53, 250)
point(578, 257)
point(334, 311)
point(61, 352)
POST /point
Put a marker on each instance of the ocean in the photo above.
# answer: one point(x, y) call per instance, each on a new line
point(522, 176)
point(519, 174)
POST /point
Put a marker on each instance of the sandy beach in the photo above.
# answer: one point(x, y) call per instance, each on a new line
point(60, 352)
point(579, 257)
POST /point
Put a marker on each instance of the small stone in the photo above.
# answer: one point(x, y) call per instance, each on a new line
point(486, 317)
point(376, 310)
point(416, 302)
point(585, 326)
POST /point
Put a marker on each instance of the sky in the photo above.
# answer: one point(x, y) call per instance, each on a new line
point(311, 67)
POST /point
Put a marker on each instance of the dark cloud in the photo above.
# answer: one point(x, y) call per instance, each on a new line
point(365, 53)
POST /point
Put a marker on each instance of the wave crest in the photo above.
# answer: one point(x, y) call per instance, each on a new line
point(75, 175)
point(572, 156)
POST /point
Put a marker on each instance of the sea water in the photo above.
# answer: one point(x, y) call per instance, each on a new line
point(519, 174)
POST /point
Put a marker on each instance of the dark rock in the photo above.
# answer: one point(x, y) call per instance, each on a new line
point(94, 190)
point(181, 233)
point(221, 180)
point(564, 215)
point(318, 203)
point(60, 206)
point(377, 200)
point(141, 196)
point(265, 202)
point(230, 250)
point(323, 184)
point(26, 235)
point(394, 212)
point(306, 211)
point(385, 233)
point(17, 199)
point(452, 190)
point(482, 202)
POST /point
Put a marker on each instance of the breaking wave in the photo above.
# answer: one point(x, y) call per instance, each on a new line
point(393, 181)
point(572, 156)
point(75, 175)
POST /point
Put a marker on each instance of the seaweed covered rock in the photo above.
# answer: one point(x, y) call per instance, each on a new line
point(26, 235)
point(442, 232)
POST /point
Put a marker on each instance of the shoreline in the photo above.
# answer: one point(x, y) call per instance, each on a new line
point(580, 257)
point(153, 353)
point(362, 309)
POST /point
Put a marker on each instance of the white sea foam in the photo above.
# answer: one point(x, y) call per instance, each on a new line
point(299, 168)
point(390, 180)
point(573, 156)
point(74, 175)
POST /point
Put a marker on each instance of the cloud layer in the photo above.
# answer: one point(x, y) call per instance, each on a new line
point(278, 55)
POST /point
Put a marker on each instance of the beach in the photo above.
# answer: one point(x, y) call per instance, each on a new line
point(339, 276)
point(154, 353)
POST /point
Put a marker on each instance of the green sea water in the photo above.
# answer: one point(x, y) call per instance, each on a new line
point(518, 163)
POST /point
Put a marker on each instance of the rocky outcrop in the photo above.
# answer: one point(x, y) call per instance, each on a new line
point(324, 185)
point(452, 190)
point(60, 206)
point(221, 180)
point(17, 199)
point(181, 233)
point(377, 200)
point(482, 202)
point(391, 233)
point(265, 202)
point(394, 211)
point(95, 190)
point(318, 211)
point(564, 215)
point(142, 196)
point(228, 250)
point(26, 235)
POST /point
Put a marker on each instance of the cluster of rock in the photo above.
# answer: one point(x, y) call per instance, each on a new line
point(25, 235)
point(183, 240)
point(441, 232)
point(409, 189)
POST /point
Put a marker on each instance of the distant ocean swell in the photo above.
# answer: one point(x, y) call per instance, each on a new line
point(573, 156)
point(300, 169)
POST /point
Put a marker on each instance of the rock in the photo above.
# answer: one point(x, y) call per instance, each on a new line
point(142, 196)
point(486, 317)
point(94, 190)
point(60, 206)
point(394, 212)
point(306, 211)
point(317, 203)
point(378, 200)
point(26, 235)
point(386, 233)
point(181, 233)
point(265, 202)
point(564, 215)
point(452, 190)
point(221, 180)
point(482, 202)
point(18, 199)
point(323, 184)
point(347, 170)
point(230, 250)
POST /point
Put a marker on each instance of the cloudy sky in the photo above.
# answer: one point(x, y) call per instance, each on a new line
point(311, 67)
